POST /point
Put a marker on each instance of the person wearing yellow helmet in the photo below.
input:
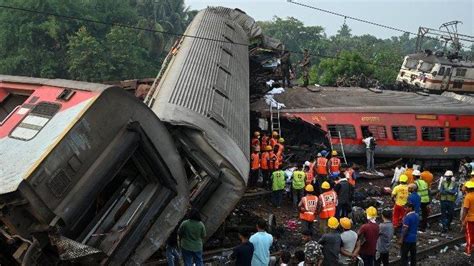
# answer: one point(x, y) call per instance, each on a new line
point(331, 242)
point(307, 208)
point(400, 196)
point(334, 164)
point(370, 232)
point(274, 139)
point(327, 205)
point(467, 218)
point(349, 240)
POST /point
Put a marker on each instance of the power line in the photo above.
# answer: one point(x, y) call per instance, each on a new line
point(175, 34)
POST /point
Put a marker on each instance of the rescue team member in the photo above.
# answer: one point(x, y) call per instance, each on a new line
point(427, 176)
point(349, 173)
point(274, 139)
point(254, 167)
point(447, 175)
point(370, 232)
point(281, 146)
point(256, 139)
point(424, 191)
point(400, 195)
point(308, 206)
point(265, 165)
point(448, 192)
point(464, 189)
point(467, 218)
point(297, 184)
point(327, 205)
point(409, 173)
point(277, 159)
point(321, 166)
point(331, 242)
point(264, 141)
point(334, 164)
point(349, 240)
point(408, 237)
point(309, 171)
point(278, 185)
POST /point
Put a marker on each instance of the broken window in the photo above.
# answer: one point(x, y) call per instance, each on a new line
point(425, 67)
point(404, 133)
point(432, 133)
point(9, 102)
point(411, 63)
point(460, 134)
point(347, 131)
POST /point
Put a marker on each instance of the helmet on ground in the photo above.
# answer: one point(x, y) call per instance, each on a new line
point(325, 185)
point(333, 223)
point(334, 153)
point(274, 133)
point(281, 140)
point(256, 133)
point(319, 154)
point(469, 184)
point(416, 173)
point(309, 188)
point(448, 173)
point(268, 148)
point(346, 223)
point(403, 178)
point(371, 212)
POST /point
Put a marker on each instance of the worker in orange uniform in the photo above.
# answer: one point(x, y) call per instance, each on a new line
point(427, 176)
point(265, 165)
point(400, 196)
point(274, 139)
point(334, 165)
point(467, 218)
point(349, 173)
point(327, 205)
point(409, 173)
point(278, 158)
point(308, 206)
point(321, 170)
point(309, 171)
point(264, 141)
point(256, 139)
point(281, 146)
point(254, 167)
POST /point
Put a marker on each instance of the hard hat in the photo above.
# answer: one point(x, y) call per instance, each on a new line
point(281, 140)
point(307, 163)
point(324, 152)
point(256, 133)
point(309, 188)
point(333, 223)
point(319, 154)
point(325, 185)
point(274, 133)
point(371, 212)
point(416, 173)
point(469, 184)
point(268, 148)
point(346, 223)
point(403, 178)
point(334, 153)
point(448, 173)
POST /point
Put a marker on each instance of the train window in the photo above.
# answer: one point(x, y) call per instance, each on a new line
point(441, 71)
point(9, 102)
point(448, 71)
point(432, 133)
point(461, 72)
point(411, 63)
point(457, 83)
point(377, 131)
point(425, 67)
point(404, 133)
point(460, 134)
point(347, 131)
point(36, 119)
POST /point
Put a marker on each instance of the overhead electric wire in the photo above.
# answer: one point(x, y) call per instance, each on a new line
point(176, 34)
point(368, 21)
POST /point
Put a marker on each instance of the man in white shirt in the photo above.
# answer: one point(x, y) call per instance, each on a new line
point(369, 151)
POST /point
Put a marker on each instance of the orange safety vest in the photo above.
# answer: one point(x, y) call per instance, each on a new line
point(349, 175)
point(328, 204)
point(321, 166)
point(334, 164)
point(308, 211)
point(273, 142)
point(272, 159)
point(281, 148)
point(264, 163)
point(263, 143)
point(278, 161)
point(255, 142)
point(255, 161)
point(310, 174)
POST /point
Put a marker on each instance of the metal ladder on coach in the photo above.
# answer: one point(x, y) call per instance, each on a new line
point(341, 145)
point(275, 119)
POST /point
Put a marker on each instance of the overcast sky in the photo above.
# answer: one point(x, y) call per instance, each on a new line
point(404, 14)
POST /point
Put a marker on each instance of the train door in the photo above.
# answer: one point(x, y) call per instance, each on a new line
point(446, 77)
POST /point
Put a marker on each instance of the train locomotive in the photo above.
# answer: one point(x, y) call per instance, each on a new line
point(90, 174)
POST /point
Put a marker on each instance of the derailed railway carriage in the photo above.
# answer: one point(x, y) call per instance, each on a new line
point(89, 174)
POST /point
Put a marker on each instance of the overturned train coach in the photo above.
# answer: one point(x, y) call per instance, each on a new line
point(90, 174)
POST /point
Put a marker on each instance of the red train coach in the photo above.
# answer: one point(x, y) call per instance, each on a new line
point(404, 124)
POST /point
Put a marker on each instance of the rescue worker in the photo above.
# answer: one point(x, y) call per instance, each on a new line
point(467, 218)
point(308, 207)
point(448, 194)
point(281, 146)
point(400, 196)
point(264, 141)
point(265, 165)
point(447, 175)
point(344, 191)
point(285, 69)
point(309, 171)
point(256, 139)
point(423, 190)
point(321, 166)
point(331, 242)
point(274, 139)
point(254, 167)
point(327, 205)
point(278, 158)
point(464, 189)
point(298, 184)
point(334, 164)
point(349, 173)
point(305, 64)
point(349, 240)
point(427, 176)
point(278, 186)
point(409, 173)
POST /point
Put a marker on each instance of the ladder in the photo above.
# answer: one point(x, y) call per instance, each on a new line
point(275, 119)
point(341, 145)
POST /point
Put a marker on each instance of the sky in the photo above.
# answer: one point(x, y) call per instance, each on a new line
point(405, 14)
